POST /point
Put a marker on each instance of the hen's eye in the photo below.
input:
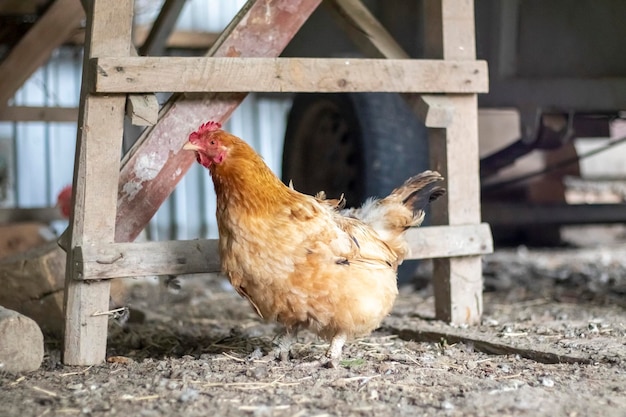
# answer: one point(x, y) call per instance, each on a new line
point(212, 142)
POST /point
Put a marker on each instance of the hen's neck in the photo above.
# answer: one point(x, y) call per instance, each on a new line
point(248, 184)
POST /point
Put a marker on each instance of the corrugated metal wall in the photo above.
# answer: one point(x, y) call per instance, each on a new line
point(38, 157)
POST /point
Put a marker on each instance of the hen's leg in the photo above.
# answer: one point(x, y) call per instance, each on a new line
point(334, 351)
point(283, 344)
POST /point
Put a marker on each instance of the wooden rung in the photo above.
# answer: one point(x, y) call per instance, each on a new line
point(201, 256)
point(449, 241)
point(185, 74)
point(117, 260)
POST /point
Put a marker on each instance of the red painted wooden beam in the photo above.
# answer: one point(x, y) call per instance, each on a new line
point(155, 164)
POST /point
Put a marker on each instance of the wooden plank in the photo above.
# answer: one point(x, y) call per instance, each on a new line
point(186, 74)
point(148, 258)
point(454, 153)
point(155, 164)
point(96, 170)
point(112, 260)
point(34, 49)
point(449, 29)
point(142, 109)
point(39, 114)
point(449, 241)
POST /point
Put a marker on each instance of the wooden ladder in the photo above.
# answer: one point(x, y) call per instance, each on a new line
point(442, 91)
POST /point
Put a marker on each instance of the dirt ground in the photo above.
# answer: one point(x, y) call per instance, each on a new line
point(552, 343)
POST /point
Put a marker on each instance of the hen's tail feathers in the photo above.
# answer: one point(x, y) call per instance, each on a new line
point(418, 191)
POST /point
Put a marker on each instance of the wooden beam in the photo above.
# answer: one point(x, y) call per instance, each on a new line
point(184, 74)
point(38, 114)
point(449, 241)
point(454, 153)
point(34, 49)
point(148, 258)
point(155, 164)
point(112, 260)
point(96, 171)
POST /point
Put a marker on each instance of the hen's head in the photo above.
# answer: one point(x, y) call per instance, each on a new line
point(210, 143)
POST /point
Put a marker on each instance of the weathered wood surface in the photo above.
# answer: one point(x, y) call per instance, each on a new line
point(185, 74)
point(155, 164)
point(201, 256)
point(48, 33)
point(434, 110)
point(457, 281)
point(142, 109)
point(449, 241)
point(147, 258)
point(96, 171)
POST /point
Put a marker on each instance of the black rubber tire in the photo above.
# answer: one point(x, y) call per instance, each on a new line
point(361, 145)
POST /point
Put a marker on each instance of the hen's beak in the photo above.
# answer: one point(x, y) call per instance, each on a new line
point(191, 147)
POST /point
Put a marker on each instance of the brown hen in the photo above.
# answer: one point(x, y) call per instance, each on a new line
point(299, 259)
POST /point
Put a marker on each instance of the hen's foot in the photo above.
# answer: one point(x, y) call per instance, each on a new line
point(283, 343)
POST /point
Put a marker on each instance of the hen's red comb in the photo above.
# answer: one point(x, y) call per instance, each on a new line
point(209, 126)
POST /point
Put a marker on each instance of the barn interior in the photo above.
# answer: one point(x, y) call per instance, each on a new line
point(515, 283)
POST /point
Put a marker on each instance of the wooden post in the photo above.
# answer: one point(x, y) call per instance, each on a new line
point(96, 173)
point(454, 153)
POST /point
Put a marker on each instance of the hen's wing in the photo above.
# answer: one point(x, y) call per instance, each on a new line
point(366, 247)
